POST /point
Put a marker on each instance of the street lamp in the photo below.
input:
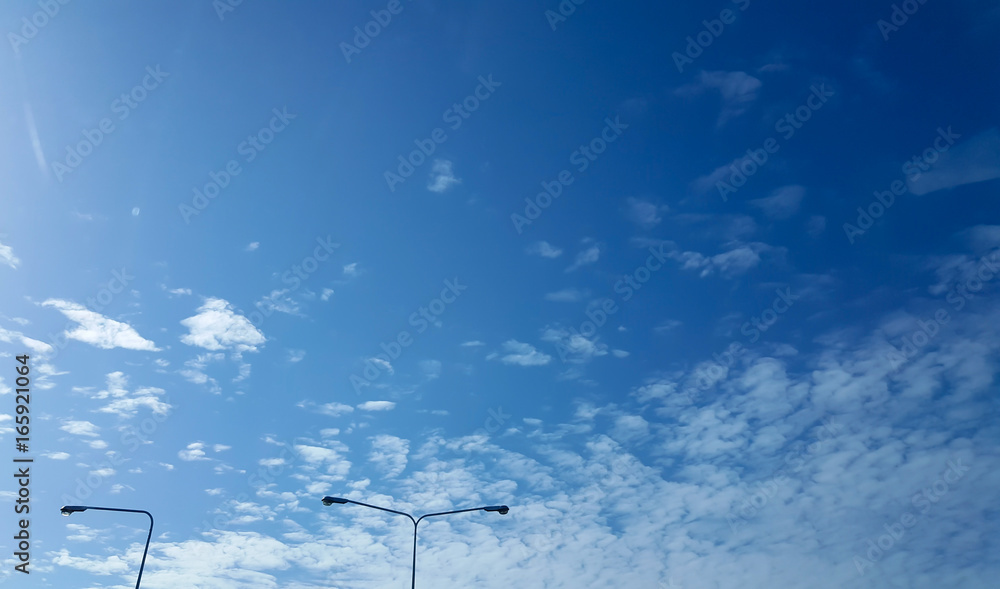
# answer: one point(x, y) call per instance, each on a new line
point(68, 509)
point(501, 509)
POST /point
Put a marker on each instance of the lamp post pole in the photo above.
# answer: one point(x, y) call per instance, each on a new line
point(501, 509)
point(68, 509)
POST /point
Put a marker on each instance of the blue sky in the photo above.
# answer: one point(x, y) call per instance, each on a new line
point(706, 293)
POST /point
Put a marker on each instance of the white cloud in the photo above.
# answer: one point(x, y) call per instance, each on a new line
point(377, 406)
point(280, 301)
point(442, 176)
point(194, 451)
point(544, 249)
point(816, 225)
point(100, 331)
point(7, 256)
point(738, 90)
point(32, 344)
point(56, 455)
point(217, 327)
point(295, 356)
point(667, 325)
point(384, 364)
point(351, 270)
point(739, 259)
point(472, 344)
point(522, 354)
point(180, 291)
point(252, 246)
point(566, 295)
point(644, 213)
point(389, 454)
point(80, 428)
point(782, 203)
point(574, 347)
point(327, 293)
point(431, 368)
point(969, 161)
point(587, 256)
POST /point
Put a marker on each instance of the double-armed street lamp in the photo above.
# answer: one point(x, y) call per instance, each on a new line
point(68, 509)
point(501, 509)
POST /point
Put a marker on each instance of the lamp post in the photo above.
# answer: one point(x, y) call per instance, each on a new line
point(68, 509)
point(501, 509)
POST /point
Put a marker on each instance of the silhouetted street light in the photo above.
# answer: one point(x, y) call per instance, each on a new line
point(68, 509)
point(501, 509)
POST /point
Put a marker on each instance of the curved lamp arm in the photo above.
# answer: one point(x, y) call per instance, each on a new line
point(68, 509)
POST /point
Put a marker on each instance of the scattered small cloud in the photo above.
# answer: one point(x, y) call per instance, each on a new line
point(645, 214)
point(295, 356)
point(327, 293)
point(472, 344)
point(377, 406)
point(431, 369)
point(442, 176)
point(566, 295)
point(544, 249)
point(252, 246)
point(816, 225)
point(351, 270)
point(194, 451)
point(782, 203)
point(522, 354)
point(738, 90)
point(667, 325)
point(586, 257)
point(7, 256)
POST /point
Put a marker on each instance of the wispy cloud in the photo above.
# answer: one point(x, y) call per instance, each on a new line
point(584, 258)
point(522, 354)
point(566, 295)
point(738, 90)
point(100, 331)
point(7, 256)
point(644, 213)
point(252, 246)
point(782, 203)
point(544, 249)
point(442, 176)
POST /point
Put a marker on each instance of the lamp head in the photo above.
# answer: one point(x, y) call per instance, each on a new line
point(331, 500)
point(501, 509)
point(68, 509)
